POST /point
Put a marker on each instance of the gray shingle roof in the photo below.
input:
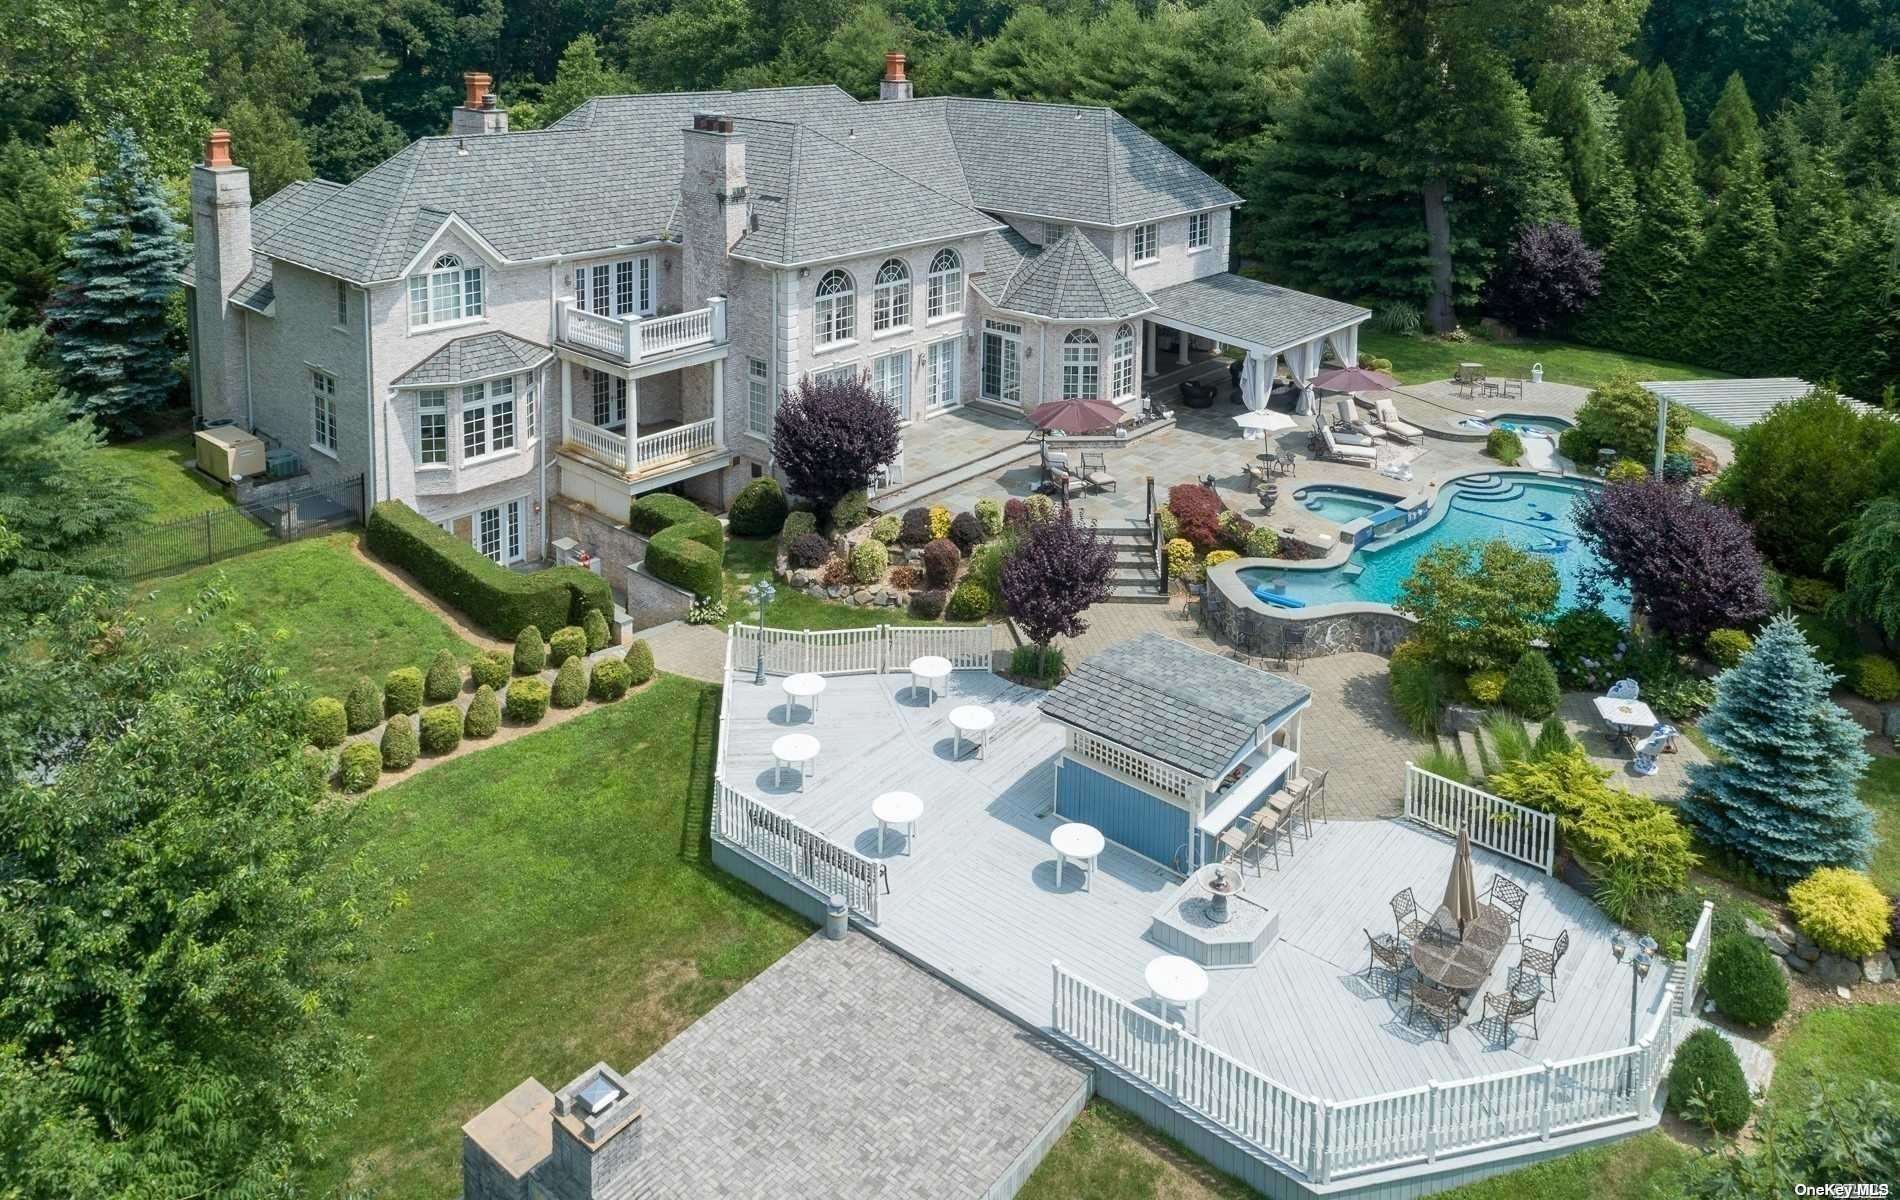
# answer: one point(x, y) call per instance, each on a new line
point(255, 291)
point(1166, 699)
point(1071, 281)
point(1248, 312)
point(479, 356)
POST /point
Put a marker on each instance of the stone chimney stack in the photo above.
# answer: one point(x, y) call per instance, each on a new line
point(597, 1137)
point(896, 82)
point(714, 210)
point(479, 111)
point(221, 254)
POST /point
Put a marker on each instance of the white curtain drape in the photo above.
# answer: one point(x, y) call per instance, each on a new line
point(1346, 346)
point(1256, 379)
point(1303, 362)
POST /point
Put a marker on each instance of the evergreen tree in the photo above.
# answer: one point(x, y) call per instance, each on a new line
point(108, 320)
point(1742, 249)
point(1875, 284)
point(1582, 117)
point(268, 143)
point(353, 139)
point(581, 75)
point(1780, 792)
point(1648, 290)
point(40, 188)
point(1814, 316)
point(1872, 157)
point(1733, 136)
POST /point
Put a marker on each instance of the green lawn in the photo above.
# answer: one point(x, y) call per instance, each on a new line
point(340, 618)
point(1881, 790)
point(561, 913)
point(750, 559)
point(1639, 1168)
point(1837, 1046)
point(158, 468)
point(1419, 359)
point(1109, 1155)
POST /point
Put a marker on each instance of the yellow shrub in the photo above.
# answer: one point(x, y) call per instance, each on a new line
point(1218, 557)
point(1615, 830)
point(939, 522)
point(1841, 910)
point(1486, 687)
point(1411, 651)
point(1181, 564)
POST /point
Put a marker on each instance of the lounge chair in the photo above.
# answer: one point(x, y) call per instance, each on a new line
point(1346, 419)
point(1386, 418)
point(1095, 471)
point(1055, 468)
point(1332, 448)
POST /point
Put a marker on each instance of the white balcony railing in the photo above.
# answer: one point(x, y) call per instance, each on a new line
point(604, 444)
point(635, 339)
point(670, 445)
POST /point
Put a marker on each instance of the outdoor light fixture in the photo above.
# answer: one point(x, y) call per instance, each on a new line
point(1639, 970)
point(761, 594)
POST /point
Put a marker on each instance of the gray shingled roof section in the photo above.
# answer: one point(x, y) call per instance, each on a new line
point(479, 356)
point(1004, 253)
point(1072, 281)
point(1168, 700)
point(255, 291)
point(1252, 313)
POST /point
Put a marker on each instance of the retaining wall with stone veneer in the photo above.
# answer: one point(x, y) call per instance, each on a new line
point(1254, 625)
point(1801, 956)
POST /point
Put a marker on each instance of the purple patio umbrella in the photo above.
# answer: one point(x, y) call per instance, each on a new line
point(1076, 416)
point(1353, 379)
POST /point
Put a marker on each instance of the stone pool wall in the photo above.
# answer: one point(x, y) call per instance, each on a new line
point(1331, 629)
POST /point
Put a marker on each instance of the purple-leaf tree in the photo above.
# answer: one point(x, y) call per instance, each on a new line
point(1058, 569)
point(830, 435)
point(1689, 563)
point(1547, 278)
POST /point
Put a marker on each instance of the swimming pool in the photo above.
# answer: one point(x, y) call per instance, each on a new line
point(1341, 504)
point(1552, 427)
point(1527, 510)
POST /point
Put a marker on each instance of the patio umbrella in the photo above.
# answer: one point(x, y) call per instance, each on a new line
point(1076, 416)
point(1353, 379)
point(1461, 890)
point(1265, 421)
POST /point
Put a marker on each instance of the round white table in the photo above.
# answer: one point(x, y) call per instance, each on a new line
point(795, 750)
point(803, 688)
point(972, 721)
point(897, 808)
point(1177, 981)
point(929, 673)
point(1080, 844)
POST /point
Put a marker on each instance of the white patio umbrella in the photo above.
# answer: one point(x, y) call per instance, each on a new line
point(1265, 421)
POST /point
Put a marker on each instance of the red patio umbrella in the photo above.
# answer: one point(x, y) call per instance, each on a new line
point(1076, 416)
point(1353, 379)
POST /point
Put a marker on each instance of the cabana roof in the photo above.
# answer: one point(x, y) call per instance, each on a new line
point(1170, 701)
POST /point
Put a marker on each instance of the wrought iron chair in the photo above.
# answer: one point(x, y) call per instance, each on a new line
point(1544, 962)
point(1405, 915)
point(1506, 896)
point(1385, 950)
point(1517, 1003)
point(1438, 1003)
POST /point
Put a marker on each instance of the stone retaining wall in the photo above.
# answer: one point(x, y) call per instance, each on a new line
point(612, 541)
point(1251, 625)
point(1801, 956)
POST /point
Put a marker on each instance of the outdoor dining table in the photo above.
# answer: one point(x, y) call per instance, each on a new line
point(929, 672)
point(972, 721)
point(1625, 715)
point(803, 688)
point(1460, 962)
point(794, 750)
point(1178, 982)
point(897, 808)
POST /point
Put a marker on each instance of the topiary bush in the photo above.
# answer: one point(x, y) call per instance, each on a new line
point(1876, 678)
point(1486, 687)
point(759, 509)
point(1531, 689)
point(886, 528)
point(967, 531)
point(868, 561)
point(402, 691)
point(444, 678)
point(570, 684)
point(441, 729)
point(1505, 446)
point(991, 514)
point(852, 510)
point(807, 550)
point(594, 625)
point(1745, 981)
point(1181, 563)
point(1015, 513)
point(1841, 910)
point(484, 714)
point(970, 602)
point(527, 701)
point(568, 642)
point(1725, 647)
point(363, 708)
point(609, 679)
point(400, 746)
point(491, 668)
point(798, 522)
point(324, 723)
point(1706, 1083)
point(639, 660)
point(928, 604)
point(916, 527)
point(939, 522)
point(685, 544)
point(941, 560)
point(531, 653)
point(359, 767)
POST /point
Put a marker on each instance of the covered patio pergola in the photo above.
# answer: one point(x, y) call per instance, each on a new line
point(1269, 323)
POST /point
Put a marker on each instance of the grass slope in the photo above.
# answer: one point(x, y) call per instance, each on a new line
point(342, 618)
point(1419, 360)
point(1109, 1155)
point(1880, 788)
point(1838, 1047)
point(1644, 1166)
point(157, 468)
point(561, 912)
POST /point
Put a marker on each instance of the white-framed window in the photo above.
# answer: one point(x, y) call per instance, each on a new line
point(608, 394)
point(616, 289)
point(342, 304)
point(940, 372)
point(448, 292)
point(758, 382)
point(323, 410)
point(839, 374)
point(529, 429)
point(488, 418)
point(432, 427)
point(1123, 376)
point(497, 531)
point(1200, 231)
point(834, 312)
point(890, 297)
point(944, 285)
point(1002, 374)
point(1147, 243)
point(1081, 366)
point(890, 376)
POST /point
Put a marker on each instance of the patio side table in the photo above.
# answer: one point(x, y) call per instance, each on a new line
point(897, 808)
point(1078, 843)
point(806, 688)
point(929, 673)
point(794, 750)
point(974, 721)
point(1179, 982)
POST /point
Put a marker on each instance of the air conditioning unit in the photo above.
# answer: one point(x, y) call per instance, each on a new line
point(227, 453)
point(283, 463)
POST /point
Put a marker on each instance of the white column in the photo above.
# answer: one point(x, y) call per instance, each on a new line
point(567, 398)
point(719, 401)
point(1148, 348)
point(633, 423)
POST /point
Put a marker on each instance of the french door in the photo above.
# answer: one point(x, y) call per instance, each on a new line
point(497, 532)
point(1003, 362)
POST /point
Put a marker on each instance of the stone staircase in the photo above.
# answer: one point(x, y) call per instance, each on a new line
point(1134, 579)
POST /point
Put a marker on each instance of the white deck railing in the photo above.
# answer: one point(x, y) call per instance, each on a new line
point(604, 444)
point(1510, 829)
point(802, 853)
point(1695, 957)
point(875, 649)
point(669, 445)
point(633, 338)
point(662, 334)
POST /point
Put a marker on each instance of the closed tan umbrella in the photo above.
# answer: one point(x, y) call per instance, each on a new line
point(1461, 890)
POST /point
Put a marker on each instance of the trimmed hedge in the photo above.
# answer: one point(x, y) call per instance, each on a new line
point(798, 522)
point(1745, 981)
point(484, 714)
point(610, 679)
point(927, 604)
point(807, 550)
point(323, 722)
point(402, 691)
point(527, 701)
point(868, 561)
point(441, 729)
point(1706, 1066)
point(941, 560)
point(886, 528)
point(686, 564)
point(490, 669)
point(657, 512)
point(759, 509)
point(990, 513)
point(497, 599)
point(915, 530)
point(444, 680)
point(569, 642)
point(360, 767)
point(639, 660)
point(400, 746)
point(594, 625)
point(531, 653)
point(966, 530)
point(686, 546)
point(570, 684)
point(363, 708)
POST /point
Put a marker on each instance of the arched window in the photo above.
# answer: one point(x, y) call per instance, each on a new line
point(834, 317)
point(1081, 366)
point(890, 297)
point(448, 291)
point(945, 284)
point(1123, 377)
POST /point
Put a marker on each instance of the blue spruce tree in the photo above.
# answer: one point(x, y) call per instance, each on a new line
point(108, 319)
point(1781, 795)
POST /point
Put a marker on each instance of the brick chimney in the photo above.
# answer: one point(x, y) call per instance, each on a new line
point(221, 258)
point(479, 111)
point(597, 1137)
point(896, 82)
point(714, 209)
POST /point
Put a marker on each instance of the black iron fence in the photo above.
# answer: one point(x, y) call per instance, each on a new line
point(284, 514)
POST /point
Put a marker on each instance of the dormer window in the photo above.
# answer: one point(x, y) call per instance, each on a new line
point(447, 292)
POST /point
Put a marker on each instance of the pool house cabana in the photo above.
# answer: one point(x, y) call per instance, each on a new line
point(1167, 747)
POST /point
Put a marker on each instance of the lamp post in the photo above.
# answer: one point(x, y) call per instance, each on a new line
point(761, 594)
point(1639, 970)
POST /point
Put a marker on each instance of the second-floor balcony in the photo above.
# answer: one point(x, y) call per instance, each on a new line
point(636, 339)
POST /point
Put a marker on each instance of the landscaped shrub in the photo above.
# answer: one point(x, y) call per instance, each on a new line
point(1805, 468)
point(324, 724)
point(1170, 524)
point(359, 767)
point(1841, 910)
point(570, 684)
point(363, 708)
point(1621, 414)
point(941, 560)
point(927, 604)
point(916, 528)
point(1418, 691)
point(986, 565)
point(1044, 663)
point(970, 602)
point(527, 701)
point(656, 512)
point(685, 543)
point(967, 531)
point(852, 510)
point(1216, 558)
point(531, 653)
point(609, 679)
point(798, 522)
point(868, 561)
point(400, 746)
point(402, 691)
point(441, 729)
point(595, 626)
point(1505, 446)
point(1690, 565)
point(1486, 687)
point(1626, 470)
point(808, 550)
point(1584, 644)
point(939, 522)
point(490, 668)
point(886, 528)
point(1552, 738)
point(444, 678)
point(1725, 647)
point(906, 578)
point(990, 513)
point(1811, 595)
point(639, 660)
point(759, 509)
point(1678, 465)
point(1039, 508)
point(1531, 690)
point(1261, 542)
point(1706, 1083)
point(484, 714)
point(1745, 981)
point(1577, 446)
point(1181, 559)
point(499, 600)
point(1480, 604)
point(1616, 831)
point(568, 642)
point(1876, 678)
point(1198, 509)
point(1015, 513)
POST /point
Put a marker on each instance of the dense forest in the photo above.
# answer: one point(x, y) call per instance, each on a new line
point(1716, 181)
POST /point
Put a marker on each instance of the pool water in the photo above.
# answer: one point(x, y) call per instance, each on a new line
point(1551, 427)
point(1340, 504)
point(1525, 510)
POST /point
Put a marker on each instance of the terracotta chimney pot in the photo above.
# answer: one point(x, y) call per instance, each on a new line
point(475, 84)
point(893, 66)
point(218, 148)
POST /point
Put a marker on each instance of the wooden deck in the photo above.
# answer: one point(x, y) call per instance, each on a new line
point(976, 897)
